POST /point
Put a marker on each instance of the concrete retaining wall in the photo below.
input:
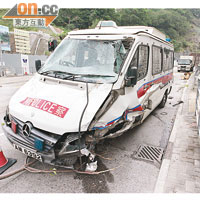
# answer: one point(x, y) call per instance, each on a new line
point(12, 63)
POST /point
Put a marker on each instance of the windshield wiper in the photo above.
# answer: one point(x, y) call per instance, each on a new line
point(97, 75)
point(71, 76)
point(56, 73)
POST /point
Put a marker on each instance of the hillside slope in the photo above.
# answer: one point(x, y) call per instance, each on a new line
point(181, 25)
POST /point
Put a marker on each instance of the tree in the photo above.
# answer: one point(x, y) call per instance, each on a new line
point(175, 23)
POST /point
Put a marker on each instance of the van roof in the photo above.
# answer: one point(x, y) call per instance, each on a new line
point(120, 30)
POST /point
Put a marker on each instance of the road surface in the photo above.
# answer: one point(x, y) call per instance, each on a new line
point(129, 175)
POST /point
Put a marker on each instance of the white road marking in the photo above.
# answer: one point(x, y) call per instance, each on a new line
point(1, 134)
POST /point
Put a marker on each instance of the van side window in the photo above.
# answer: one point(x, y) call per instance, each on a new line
point(167, 59)
point(140, 60)
point(157, 60)
point(143, 61)
point(134, 61)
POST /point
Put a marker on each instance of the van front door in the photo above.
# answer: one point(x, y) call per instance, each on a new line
point(136, 95)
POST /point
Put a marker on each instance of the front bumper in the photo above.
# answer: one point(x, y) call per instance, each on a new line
point(48, 154)
point(184, 68)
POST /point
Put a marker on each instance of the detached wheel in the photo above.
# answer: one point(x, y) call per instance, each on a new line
point(163, 102)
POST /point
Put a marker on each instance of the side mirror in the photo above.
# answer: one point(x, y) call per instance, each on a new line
point(131, 78)
point(38, 65)
point(52, 45)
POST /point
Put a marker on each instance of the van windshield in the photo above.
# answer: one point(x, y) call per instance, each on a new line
point(86, 60)
point(184, 62)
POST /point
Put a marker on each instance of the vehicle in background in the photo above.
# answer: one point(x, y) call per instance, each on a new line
point(185, 63)
point(97, 84)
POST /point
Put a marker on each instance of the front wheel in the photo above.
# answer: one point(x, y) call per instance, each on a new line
point(163, 102)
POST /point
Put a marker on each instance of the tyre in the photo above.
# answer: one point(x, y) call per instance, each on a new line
point(179, 70)
point(163, 102)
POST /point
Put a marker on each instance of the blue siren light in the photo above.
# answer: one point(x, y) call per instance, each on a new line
point(168, 39)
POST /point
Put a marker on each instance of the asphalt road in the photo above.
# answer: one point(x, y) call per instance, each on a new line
point(129, 175)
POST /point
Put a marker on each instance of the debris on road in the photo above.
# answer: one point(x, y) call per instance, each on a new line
point(105, 158)
point(27, 167)
point(186, 76)
point(91, 167)
point(179, 102)
point(163, 113)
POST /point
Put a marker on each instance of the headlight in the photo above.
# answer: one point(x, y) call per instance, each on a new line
point(104, 108)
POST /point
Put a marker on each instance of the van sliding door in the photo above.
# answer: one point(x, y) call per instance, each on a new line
point(157, 65)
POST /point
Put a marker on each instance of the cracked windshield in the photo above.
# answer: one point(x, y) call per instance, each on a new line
point(86, 60)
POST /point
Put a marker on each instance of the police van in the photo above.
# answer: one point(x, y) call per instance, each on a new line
point(97, 84)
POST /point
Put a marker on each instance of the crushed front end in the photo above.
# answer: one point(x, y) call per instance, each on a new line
point(59, 150)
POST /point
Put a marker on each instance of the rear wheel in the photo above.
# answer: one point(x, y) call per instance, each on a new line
point(164, 100)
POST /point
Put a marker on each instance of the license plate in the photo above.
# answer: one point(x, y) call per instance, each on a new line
point(28, 152)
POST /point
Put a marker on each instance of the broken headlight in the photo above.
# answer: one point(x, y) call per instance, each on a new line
point(105, 107)
point(68, 143)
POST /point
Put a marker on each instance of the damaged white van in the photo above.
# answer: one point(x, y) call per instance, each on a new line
point(97, 84)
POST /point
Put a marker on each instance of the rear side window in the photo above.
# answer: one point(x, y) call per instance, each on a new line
point(171, 59)
point(168, 57)
point(140, 60)
point(157, 60)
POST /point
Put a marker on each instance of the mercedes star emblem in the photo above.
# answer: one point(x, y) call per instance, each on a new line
point(26, 129)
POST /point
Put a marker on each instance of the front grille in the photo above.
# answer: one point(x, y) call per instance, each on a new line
point(29, 141)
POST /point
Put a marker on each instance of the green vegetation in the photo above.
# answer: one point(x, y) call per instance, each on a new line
point(4, 22)
point(181, 25)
